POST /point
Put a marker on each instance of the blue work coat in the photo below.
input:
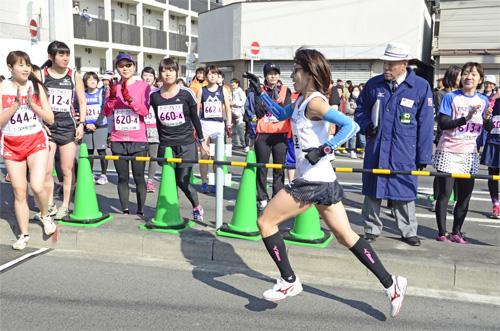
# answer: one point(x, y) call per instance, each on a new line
point(404, 136)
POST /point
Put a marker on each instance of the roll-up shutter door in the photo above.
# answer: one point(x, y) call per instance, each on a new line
point(356, 71)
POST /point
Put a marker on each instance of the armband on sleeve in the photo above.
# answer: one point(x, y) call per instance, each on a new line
point(348, 127)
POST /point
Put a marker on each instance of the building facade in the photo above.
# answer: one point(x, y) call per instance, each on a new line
point(467, 31)
point(150, 30)
point(351, 34)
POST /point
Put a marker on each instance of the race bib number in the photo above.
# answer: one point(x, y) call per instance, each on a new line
point(23, 120)
point(270, 118)
point(60, 99)
point(212, 109)
point(126, 120)
point(496, 125)
point(171, 115)
point(472, 128)
point(93, 112)
point(150, 119)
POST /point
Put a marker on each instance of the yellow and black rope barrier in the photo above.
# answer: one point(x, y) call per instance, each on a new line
point(286, 166)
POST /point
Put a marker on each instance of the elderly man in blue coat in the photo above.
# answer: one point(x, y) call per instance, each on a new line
point(395, 112)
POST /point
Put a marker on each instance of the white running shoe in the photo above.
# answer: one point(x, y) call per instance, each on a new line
point(283, 289)
point(62, 212)
point(396, 294)
point(353, 155)
point(48, 226)
point(261, 205)
point(22, 241)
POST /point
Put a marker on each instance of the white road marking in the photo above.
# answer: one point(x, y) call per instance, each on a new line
point(22, 258)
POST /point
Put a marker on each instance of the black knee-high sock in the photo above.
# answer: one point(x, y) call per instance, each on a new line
point(365, 253)
point(276, 248)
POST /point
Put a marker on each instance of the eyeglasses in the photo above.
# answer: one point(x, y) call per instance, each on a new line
point(295, 69)
point(126, 65)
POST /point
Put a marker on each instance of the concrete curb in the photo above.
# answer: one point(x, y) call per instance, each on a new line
point(432, 266)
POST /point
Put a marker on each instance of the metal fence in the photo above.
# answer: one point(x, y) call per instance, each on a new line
point(126, 34)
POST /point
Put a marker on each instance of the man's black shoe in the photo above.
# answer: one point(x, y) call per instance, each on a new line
point(370, 237)
point(412, 241)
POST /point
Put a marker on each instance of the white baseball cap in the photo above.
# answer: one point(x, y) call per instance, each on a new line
point(491, 79)
point(396, 52)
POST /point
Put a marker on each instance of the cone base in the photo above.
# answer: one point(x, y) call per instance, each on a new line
point(319, 242)
point(225, 231)
point(89, 223)
point(186, 224)
point(194, 180)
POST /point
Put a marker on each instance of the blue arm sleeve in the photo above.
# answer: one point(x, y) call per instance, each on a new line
point(348, 127)
point(275, 109)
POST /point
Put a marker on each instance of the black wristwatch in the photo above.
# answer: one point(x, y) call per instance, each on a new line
point(84, 123)
point(130, 100)
point(327, 149)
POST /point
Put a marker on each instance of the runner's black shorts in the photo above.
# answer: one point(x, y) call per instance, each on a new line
point(185, 152)
point(321, 193)
point(62, 131)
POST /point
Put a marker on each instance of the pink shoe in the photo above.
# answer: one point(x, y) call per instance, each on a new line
point(150, 186)
point(445, 238)
point(495, 213)
point(459, 238)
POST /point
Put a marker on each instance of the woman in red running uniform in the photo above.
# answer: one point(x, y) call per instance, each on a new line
point(24, 143)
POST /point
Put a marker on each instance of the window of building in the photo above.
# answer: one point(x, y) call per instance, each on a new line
point(112, 15)
point(182, 29)
point(100, 14)
point(133, 19)
point(159, 25)
point(78, 63)
point(102, 66)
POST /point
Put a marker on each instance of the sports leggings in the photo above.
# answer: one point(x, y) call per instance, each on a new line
point(138, 167)
point(443, 193)
point(182, 179)
point(265, 144)
point(493, 184)
point(152, 152)
point(104, 163)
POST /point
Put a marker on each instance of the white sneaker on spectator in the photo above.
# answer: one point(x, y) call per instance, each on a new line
point(353, 155)
point(396, 294)
point(283, 289)
point(247, 149)
point(433, 208)
point(261, 205)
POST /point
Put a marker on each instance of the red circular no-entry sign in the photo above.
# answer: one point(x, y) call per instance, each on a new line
point(255, 48)
point(33, 28)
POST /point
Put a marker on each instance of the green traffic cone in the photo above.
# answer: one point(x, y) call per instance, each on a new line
point(86, 211)
point(307, 230)
point(168, 218)
point(244, 222)
point(54, 172)
point(192, 179)
point(226, 172)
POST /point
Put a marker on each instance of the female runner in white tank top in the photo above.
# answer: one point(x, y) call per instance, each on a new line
point(316, 184)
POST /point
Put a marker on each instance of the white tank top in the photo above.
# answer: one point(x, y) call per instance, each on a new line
point(24, 121)
point(307, 134)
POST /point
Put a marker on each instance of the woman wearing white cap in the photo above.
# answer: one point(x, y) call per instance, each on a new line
point(128, 101)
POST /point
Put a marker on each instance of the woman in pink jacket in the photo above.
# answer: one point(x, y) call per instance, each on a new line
point(128, 101)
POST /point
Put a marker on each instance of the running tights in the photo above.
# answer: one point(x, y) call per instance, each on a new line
point(443, 193)
point(152, 152)
point(493, 184)
point(104, 163)
point(182, 179)
point(122, 168)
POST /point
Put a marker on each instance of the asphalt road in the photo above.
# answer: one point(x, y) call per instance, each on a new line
point(72, 290)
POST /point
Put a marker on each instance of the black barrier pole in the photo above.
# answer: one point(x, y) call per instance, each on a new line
point(285, 166)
